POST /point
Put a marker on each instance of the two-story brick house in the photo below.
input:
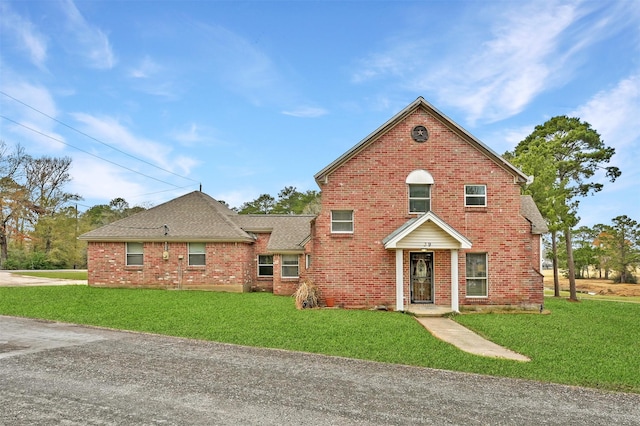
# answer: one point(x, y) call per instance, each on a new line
point(418, 212)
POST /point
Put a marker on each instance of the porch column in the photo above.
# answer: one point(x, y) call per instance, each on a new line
point(399, 281)
point(454, 281)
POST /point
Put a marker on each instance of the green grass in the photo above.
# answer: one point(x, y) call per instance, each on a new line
point(63, 275)
point(591, 343)
point(606, 297)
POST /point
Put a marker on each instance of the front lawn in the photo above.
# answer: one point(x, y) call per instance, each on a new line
point(591, 343)
point(62, 275)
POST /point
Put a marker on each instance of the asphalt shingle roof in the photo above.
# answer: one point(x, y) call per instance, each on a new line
point(198, 217)
point(529, 210)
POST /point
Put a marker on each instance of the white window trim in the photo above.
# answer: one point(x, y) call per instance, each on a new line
point(430, 186)
point(283, 265)
point(486, 266)
point(484, 196)
point(189, 254)
point(126, 256)
point(265, 264)
point(352, 221)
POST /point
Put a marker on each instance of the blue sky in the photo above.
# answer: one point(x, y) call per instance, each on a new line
point(249, 97)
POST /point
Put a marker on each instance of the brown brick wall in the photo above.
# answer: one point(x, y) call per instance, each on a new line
point(357, 270)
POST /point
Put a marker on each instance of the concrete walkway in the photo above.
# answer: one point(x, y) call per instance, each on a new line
point(451, 332)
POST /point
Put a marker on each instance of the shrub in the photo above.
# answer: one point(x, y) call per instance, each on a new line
point(307, 295)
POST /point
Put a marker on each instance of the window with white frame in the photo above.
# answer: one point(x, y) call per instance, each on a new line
point(477, 266)
point(135, 254)
point(419, 184)
point(197, 254)
point(475, 195)
point(290, 266)
point(419, 198)
point(265, 265)
point(342, 221)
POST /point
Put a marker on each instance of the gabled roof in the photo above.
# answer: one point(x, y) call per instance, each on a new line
point(288, 232)
point(192, 217)
point(198, 217)
point(530, 211)
point(453, 239)
point(421, 103)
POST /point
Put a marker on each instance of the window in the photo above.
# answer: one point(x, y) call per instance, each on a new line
point(290, 266)
point(135, 256)
point(265, 265)
point(342, 221)
point(477, 275)
point(419, 182)
point(197, 254)
point(475, 195)
point(419, 198)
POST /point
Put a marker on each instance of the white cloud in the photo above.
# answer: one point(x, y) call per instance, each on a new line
point(306, 112)
point(90, 41)
point(33, 125)
point(110, 131)
point(189, 136)
point(26, 36)
point(95, 179)
point(147, 68)
point(511, 53)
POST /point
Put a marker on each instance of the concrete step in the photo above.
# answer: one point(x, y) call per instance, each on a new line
point(427, 310)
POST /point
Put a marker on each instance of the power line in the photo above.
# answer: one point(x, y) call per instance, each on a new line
point(89, 153)
point(94, 139)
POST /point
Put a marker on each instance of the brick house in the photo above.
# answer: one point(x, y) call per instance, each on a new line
point(195, 242)
point(419, 212)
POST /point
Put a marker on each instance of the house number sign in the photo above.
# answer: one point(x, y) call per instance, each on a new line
point(420, 134)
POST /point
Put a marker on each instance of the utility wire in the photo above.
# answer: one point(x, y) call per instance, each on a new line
point(94, 139)
point(89, 153)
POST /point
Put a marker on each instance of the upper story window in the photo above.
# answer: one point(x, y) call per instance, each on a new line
point(419, 183)
point(419, 198)
point(197, 254)
point(475, 195)
point(135, 254)
point(265, 265)
point(342, 221)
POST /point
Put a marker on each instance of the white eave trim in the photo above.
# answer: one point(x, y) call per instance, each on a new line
point(429, 216)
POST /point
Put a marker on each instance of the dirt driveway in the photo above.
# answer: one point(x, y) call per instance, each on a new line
point(54, 373)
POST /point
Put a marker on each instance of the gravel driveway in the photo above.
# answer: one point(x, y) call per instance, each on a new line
point(54, 373)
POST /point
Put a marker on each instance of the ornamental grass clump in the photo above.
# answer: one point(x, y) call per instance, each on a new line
point(307, 295)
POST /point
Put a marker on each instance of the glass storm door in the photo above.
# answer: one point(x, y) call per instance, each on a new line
point(421, 265)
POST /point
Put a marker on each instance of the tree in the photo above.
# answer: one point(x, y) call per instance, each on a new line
point(262, 205)
point(290, 201)
point(45, 181)
point(567, 153)
point(13, 195)
point(622, 242)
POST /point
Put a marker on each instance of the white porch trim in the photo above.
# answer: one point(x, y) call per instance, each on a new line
point(399, 281)
point(454, 281)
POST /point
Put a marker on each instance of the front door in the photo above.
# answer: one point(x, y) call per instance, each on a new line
point(421, 274)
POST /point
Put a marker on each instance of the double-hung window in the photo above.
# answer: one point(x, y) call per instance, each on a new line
point(475, 195)
point(265, 265)
point(135, 254)
point(477, 275)
point(290, 266)
point(197, 254)
point(342, 221)
point(419, 198)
